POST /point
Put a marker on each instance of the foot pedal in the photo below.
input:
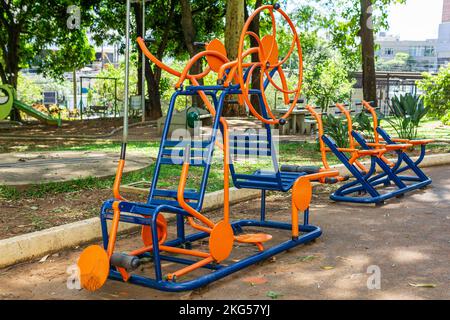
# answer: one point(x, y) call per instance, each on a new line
point(125, 261)
point(253, 237)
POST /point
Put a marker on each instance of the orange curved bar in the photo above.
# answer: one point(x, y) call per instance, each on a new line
point(232, 66)
point(204, 98)
point(263, 96)
point(321, 175)
point(250, 106)
point(374, 118)
point(193, 60)
point(240, 63)
point(118, 180)
point(323, 149)
point(114, 229)
point(155, 60)
point(163, 66)
point(182, 202)
point(349, 124)
point(295, 41)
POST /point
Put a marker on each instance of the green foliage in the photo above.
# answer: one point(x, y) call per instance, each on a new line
point(363, 123)
point(28, 91)
point(326, 74)
point(30, 31)
point(104, 89)
point(327, 84)
point(341, 20)
point(407, 111)
point(436, 94)
point(446, 119)
point(337, 129)
point(401, 62)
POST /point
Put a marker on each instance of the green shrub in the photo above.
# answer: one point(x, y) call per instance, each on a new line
point(446, 119)
point(407, 111)
point(436, 90)
point(363, 123)
point(336, 128)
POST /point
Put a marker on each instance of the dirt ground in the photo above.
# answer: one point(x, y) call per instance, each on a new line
point(408, 239)
point(97, 130)
point(34, 214)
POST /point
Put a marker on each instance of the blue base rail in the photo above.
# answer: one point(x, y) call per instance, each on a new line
point(368, 186)
point(309, 233)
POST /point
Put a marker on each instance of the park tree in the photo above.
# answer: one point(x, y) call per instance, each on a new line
point(351, 25)
point(166, 38)
point(46, 34)
point(234, 23)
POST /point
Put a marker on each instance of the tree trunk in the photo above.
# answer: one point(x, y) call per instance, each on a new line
point(153, 109)
point(12, 64)
point(189, 33)
point(368, 52)
point(233, 28)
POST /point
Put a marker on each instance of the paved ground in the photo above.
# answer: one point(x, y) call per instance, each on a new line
point(408, 239)
point(17, 169)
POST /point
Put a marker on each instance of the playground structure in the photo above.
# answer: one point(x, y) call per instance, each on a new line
point(9, 101)
point(365, 188)
point(97, 263)
point(99, 106)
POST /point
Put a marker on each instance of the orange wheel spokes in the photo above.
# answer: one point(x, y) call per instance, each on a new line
point(269, 60)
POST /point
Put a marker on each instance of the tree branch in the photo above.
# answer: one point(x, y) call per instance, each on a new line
point(165, 38)
point(7, 11)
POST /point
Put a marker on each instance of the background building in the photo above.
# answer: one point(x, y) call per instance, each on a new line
point(416, 56)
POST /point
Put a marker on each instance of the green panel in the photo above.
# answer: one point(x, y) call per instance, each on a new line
point(36, 114)
point(6, 100)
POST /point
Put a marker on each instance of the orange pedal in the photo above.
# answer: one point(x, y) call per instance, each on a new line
point(253, 237)
point(94, 267)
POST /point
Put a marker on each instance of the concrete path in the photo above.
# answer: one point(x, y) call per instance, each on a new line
point(22, 169)
point(407, 241)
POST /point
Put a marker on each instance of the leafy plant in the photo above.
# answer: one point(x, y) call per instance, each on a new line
point(436, 90)
point(336, 128)
point(363, 123)
point(407, 111)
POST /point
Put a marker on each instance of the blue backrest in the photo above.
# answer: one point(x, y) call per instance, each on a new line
point(171, 157)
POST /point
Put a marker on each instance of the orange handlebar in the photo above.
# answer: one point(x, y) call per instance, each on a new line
point(155, 60)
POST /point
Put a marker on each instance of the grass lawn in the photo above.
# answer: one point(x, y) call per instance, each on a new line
point(430, 129)
point(290, 153)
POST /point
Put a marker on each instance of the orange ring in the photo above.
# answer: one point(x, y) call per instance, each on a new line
point(295, 42)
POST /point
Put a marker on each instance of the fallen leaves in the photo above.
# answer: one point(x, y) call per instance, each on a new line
point(255, 280)
point(44, 258)
point(307, 258)
point(326, 267)
point(273, 294)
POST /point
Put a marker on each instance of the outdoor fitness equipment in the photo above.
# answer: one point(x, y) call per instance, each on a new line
point(365, 187)
point(97, 263)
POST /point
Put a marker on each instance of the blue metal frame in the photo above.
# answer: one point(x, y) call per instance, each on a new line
point(365, 187)
point(147, 213)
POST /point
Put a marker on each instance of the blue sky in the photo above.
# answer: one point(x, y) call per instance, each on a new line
point(416, 20)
